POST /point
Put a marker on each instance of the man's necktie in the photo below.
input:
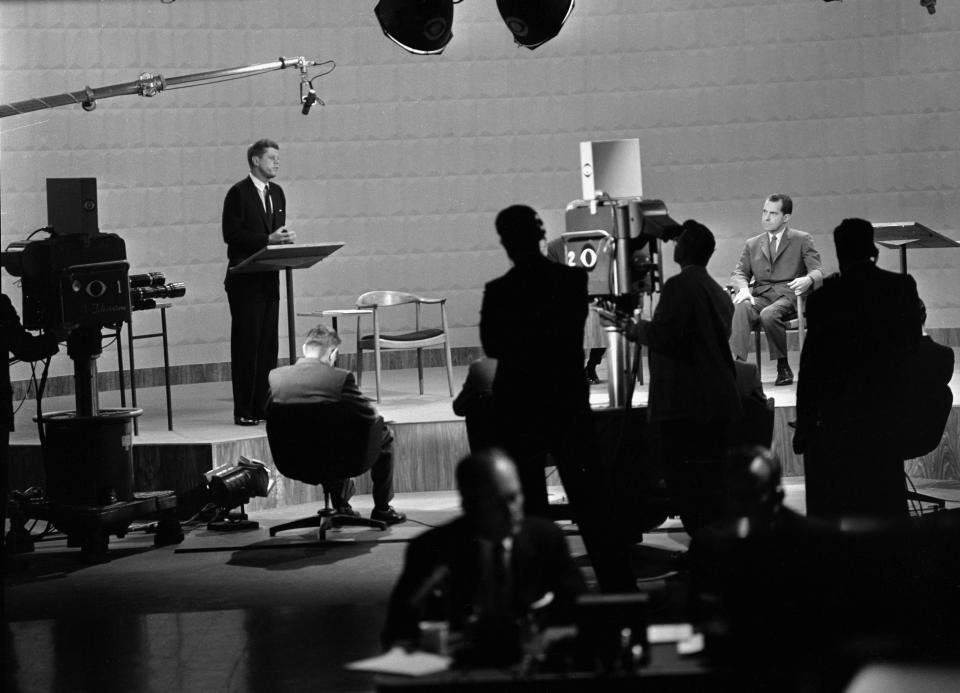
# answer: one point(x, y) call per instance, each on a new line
point(773, 246)
point(266, 204)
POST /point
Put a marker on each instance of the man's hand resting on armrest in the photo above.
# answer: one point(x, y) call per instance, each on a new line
point(801, 284)
point(743, 295)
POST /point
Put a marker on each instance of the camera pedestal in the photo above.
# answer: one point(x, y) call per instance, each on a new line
point(88, 461)
point(90, 526)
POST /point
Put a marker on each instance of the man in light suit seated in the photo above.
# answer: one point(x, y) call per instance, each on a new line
point(315, 379)
point(775, 266)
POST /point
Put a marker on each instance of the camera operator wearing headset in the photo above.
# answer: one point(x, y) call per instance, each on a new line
point(693, 390)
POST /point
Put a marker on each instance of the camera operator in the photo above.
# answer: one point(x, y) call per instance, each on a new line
point(27, 347)
point(693, 390)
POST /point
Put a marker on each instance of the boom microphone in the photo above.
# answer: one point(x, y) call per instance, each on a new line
point(308, 101)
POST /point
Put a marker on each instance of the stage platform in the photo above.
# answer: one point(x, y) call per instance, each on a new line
point(429, 437)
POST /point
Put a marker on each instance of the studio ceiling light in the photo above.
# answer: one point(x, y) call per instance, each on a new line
point(534, 22)
point(423, 27)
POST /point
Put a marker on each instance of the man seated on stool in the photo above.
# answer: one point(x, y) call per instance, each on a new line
point(314, 379)
point(780, 262)
point(492, 564)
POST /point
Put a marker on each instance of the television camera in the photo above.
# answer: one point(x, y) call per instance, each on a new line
point(615, 235)
point(76, 281)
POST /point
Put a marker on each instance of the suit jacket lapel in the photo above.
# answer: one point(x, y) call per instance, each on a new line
point(765, 247)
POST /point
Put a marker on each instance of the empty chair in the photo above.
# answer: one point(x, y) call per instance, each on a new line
point(420, 338)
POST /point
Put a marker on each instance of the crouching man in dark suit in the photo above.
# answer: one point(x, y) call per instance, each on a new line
point(314, 379)
point(492, 567)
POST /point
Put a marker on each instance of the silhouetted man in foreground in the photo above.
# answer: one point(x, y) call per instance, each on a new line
point(693, 389)
point(863, 328)
point(491, 568)
point(531, 321)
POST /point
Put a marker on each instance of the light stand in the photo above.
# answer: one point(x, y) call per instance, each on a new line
point(232, 487)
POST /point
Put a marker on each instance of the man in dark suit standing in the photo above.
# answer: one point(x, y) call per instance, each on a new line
point(775, 266)
point(492, 565)
point(254, 216)
point(531, 321)
point(314, 378)
point(693, 388)
point(856, 375)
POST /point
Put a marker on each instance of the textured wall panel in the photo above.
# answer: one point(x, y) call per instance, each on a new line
point(852, 108)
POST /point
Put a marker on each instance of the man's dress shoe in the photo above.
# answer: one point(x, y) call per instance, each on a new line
point(784, 375)
point(590, 373)
point(245, 421)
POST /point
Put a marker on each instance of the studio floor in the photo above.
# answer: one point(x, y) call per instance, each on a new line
point(246, 612)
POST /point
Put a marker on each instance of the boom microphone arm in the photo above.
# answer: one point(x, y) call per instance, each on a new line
point(148, 85)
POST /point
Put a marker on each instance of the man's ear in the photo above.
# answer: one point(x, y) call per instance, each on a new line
point(786, 218)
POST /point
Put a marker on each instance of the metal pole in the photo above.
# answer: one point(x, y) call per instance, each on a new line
point(146, 85)
point(291, 326)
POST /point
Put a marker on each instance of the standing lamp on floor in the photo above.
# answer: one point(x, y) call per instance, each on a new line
point(232, 486)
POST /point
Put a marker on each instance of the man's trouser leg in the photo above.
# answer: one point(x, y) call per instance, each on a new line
point(745, 317)
point(773, 318)
point(574, 453)
point(381, 473)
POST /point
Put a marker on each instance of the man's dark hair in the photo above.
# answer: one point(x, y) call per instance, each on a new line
point(699, 242)
point(786, 203)
point(854, 241)
point(323, 338)
point(520, 229)
point(922, 312)
point(258, 148)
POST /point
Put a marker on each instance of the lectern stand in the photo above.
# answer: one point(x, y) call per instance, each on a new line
point(289, 256)
point(900, 235)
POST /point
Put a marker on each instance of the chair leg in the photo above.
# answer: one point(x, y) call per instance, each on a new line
point(420, 368)
point(321, 520)
point(449, 360)
point(359, 356)
point(376, 351)
point(446, 345)
point(756, 338)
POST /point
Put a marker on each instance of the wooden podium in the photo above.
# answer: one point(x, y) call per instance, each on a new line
point(287, 256)
point(900, 235)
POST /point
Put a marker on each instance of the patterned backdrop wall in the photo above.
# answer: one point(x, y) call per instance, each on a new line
point(853, 108)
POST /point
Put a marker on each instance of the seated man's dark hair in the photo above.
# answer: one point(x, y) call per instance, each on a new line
point(854, 241)
point(520, 228)
point(786, 202)
point(322, 337)
point(259, 147)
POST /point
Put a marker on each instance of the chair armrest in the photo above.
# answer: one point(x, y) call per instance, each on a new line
point(344, 311)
